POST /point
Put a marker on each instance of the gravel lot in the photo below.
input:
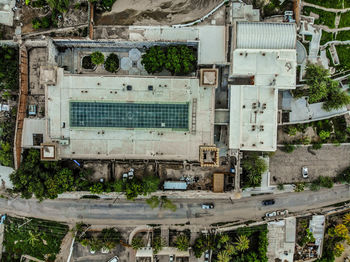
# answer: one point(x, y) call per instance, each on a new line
point(328, 161)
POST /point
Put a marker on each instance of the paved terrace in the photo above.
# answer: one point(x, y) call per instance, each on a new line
point(128, 143)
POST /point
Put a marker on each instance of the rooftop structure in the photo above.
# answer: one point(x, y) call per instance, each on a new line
point(6, 13)
point(108, 117)
point(259, 69)
point(266, 35)
point(281, 236)
point(317, 227)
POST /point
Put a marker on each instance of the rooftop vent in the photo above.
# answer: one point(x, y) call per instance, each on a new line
point(129, 87)
point(150, 88)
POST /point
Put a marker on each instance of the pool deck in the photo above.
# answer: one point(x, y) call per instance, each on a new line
point(123, 143)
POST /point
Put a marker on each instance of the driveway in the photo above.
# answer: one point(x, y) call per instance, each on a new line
point(327, 161)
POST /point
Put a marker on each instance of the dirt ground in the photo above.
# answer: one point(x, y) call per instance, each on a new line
point(155, 12)
point(283, 137)
point(327, 161)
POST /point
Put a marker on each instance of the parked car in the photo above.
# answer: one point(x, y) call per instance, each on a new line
point(268, 202)
point(206, 256)
point(114, 259)
point(305, 172)
point(272, 214)
point(171, 258)
point(208, 206)
point(282, 212)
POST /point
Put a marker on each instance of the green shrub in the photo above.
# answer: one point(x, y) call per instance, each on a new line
point(253, 168)
point(137, 243)
point(179, 60)
point(97, 58)
point(288, 148)
point(96, 188)
point(316, 145)
point(112, 63)
point(324, 134)
point(280, 186)
point(344, 20)
point(326, 182)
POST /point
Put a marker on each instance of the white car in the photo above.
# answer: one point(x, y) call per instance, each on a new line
point(305, 172)
point(282, 212)
point(114, 259)
point(272, 214)
point(171, 258)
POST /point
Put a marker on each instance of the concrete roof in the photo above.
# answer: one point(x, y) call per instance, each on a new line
point(6, 13)
point(212, 41)
point(245, 120)
point(275, 68)
point(262, 35)
point(119, 143)
point(281, 237)
point(5, 180)
point(32, 126)
point(317, 227)
point(256, 105)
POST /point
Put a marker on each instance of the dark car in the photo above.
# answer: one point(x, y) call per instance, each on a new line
point(268, 202)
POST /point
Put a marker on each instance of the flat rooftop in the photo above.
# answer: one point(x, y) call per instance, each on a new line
point(98, 117)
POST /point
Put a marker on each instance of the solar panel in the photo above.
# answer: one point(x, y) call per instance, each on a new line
point(129, 115)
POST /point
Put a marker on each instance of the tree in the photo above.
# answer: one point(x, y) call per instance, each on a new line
point(231, 249)
point(182, 242)
point(157, 244)
point(59, 5)
point(137, 243)
point(150, 184)
point(346, 219)
point(336, 99)
point(338, 249)
point(166, 203)
point(180, 59)
point(242, 243)
point(308, 237)
point(112, 63)
point(6, 154)
point(341, 231)
point(154, 59)
point(153, 202)
point(253, 167)
point(223, 256)
point(97, 58)
point(110, 237)
point(203, 243)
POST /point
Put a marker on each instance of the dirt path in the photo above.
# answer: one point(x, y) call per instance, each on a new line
point(156, 12)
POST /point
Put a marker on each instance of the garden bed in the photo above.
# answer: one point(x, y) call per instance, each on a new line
point(35, 237)
point(338, 4)
point(325, 18)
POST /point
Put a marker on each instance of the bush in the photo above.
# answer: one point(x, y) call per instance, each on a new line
point(288, 148)
point(137, 243)
point(326, 182)
point(112, 63)
point(97, 58)
point(280, 186)
point(316, 145)
point(315, 186)
point(96, 188)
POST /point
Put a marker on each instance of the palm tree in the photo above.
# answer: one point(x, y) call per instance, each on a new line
point(230, 249)
point(223, 256)
point(242, 243)
point(33, 238)
point(182, 242)
point(346, 219)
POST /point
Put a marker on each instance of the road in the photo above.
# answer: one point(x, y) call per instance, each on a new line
point(105, 212)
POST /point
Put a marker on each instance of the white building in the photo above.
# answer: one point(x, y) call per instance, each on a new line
point(263, 62)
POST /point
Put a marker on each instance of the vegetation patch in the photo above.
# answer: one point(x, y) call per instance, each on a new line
point(112, 63)
point(344, 20)
point(97, 58)
point(103, 5)
point(343, 35)
point(179, 59)
point(338, 4)
point(253, 167)
point(8, 68)
point(344, 56)
point(87, 63)
point(325, 18)
point(244, 244)
point(35, 237)
point(326, 37)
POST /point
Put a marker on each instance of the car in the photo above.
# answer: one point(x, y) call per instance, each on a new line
point(272, 214)
point(206, 256)
point(208, 206)
point(282, 212)
point(171, 258)
point(268, 202)
point(114, 259)
point(305, 172)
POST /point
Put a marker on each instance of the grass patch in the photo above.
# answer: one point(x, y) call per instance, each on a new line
point(344, 56)
point(326, 37)
point(343, 35)
point(38, 238)
point(325, 18)
point(344, 20)
point(346, 3)
point(327, 3)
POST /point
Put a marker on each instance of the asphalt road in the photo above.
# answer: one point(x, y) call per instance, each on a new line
point(105, 212)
